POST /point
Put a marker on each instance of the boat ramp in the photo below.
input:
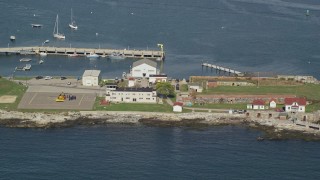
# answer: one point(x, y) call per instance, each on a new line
point(220, 69)
point(138, 54)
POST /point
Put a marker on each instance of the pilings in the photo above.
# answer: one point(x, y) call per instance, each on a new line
point(223, 69)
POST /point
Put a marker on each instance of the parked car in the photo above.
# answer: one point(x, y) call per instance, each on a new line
point(63, 78)
point(47, 77)
point(39, 77)
point(69, 83)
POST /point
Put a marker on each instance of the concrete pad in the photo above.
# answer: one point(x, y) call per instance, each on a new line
point(47, 100)
point(8, 99)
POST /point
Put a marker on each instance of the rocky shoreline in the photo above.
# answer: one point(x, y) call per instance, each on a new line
point(273, 129)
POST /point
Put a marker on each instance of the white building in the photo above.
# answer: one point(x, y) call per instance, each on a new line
point(154, 78)
point(177, 107)
point(257, 104)
point(273, 103)
point(132, 95)
point(195, 86)
point(91, 78)
point(295, 104)
point(144, 68)
point(131, 82)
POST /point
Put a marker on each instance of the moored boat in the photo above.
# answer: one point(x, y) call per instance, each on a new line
point(56, 33)
point(36, 25)
point(25, 60)
point(12, 38)
point(117, 55)
point(73, 24)
point(43, 54)
point(92, 55)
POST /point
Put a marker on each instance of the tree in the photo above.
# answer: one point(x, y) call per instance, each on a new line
point(165, 89)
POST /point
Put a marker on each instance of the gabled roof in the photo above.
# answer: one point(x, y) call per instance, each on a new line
point(94, 73)
point(300, 101)
point(145, 61)
point(178, 104)
point(258, 102)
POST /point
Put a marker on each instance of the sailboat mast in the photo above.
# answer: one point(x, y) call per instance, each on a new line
point(71, 17)
point(57, 24)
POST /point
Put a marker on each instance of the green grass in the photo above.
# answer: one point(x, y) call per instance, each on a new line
point(222, 106)
point(132, 107)
point(11, 88)
point(310, 91)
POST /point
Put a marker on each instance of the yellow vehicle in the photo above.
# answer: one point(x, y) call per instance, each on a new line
point(61, 98)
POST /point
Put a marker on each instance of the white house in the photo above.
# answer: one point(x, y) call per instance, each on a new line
point(153, 78)
point(257, 104)
point(295, 104)
point(177, 107)
point(272, 103)
point(91, 78)
point(144, 68)
point(132, 95)
point(195, 86)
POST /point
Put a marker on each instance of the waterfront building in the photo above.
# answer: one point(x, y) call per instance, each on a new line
point(91, 78)
point(295, 104)
point(144, 68)
point(132, 95)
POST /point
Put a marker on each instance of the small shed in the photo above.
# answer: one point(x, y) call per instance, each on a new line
point(131, 82)
point(91, 78)
point(177, 107)
point(272, 103)
point(195, 86)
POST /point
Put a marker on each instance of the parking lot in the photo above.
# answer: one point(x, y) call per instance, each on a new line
point(42, 94)
point(47, 100)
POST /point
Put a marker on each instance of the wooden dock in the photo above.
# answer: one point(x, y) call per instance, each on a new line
point(223, 69)
point(139, 54)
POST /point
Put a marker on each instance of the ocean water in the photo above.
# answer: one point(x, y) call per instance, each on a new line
point(247, 35)
point(140, 152)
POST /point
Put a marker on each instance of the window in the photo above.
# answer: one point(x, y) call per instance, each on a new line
point(127, 97)
point(148, 98)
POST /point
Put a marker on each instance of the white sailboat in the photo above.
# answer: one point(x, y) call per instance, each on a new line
point(56, 33)
point(73, 24)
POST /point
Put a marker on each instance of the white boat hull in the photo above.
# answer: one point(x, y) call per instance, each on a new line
point(73, 26)
point(59, 36)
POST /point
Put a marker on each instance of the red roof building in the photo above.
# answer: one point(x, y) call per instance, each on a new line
point(258, 102)
point(295, 104)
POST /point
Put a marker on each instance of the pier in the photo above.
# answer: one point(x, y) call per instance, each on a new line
point(223, 69)
point(139, 54)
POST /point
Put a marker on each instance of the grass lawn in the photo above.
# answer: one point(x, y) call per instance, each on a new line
point(222, 106)
point(132, 107)
point(310, 91)
point(11, 88)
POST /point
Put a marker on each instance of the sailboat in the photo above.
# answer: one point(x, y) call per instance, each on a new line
point(73, 24)
point(56, 33)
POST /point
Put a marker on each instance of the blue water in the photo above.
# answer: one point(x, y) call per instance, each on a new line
point(139, 152)
point(247, 35)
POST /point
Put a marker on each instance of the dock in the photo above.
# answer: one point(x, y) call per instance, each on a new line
point(65, 51)
point(223, 69)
